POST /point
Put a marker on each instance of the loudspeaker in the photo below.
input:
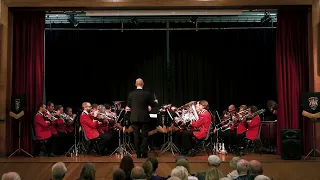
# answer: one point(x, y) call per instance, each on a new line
point(291, 145)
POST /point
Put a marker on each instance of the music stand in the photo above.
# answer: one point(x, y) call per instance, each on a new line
point(17, 105)
point(312, 111)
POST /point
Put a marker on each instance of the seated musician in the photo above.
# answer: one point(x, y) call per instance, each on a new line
point(113, 117)
point(90, 123)
point(56, 138)
point(228, 133)
point(70, 125)
point(249, 126)
point(41, 127)
point(202, 124)
point(60, 125)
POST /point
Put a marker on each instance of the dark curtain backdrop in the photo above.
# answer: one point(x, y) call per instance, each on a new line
point(292, 72)
point(27, 73)
point(102, 66)
point(223, 66)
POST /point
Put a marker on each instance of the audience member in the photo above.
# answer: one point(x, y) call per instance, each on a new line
point(58, 170)
point(10, 176)
point(242, 169)
point(233, 164)
point(261, 177)
point(180, 172)
point(213, 161)
point(184, 163)
point(137, 173)
point(147, 167)
point(224, 178)
point(180, 157)
point(255, 169)
point(119, 175)
point(213, 174)
point(127, 165)
point(154, 163)
point(88, 172)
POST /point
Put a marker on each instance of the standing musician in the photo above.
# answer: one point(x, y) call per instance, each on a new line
point(50, 115)
point(249, 126)
point(41, 127)
point(138, 101)
point(228, 134)
point(202, 124)
point(89, 122)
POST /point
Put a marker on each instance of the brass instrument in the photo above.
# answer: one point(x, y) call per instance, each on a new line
point(252, 115)
point(53, 114)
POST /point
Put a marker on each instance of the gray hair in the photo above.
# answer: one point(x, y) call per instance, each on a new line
point(173, 178)
point(224, 178)
point(242, 167)
point(180, 172)
point(233, 162)
point(261, 177)
point(10, 176)
point(255, 167)
point(59, 170)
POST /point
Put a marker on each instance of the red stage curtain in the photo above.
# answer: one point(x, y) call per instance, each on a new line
point(292, 71)
point(27, 73)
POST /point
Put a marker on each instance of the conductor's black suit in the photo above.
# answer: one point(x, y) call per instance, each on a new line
point(138, 101)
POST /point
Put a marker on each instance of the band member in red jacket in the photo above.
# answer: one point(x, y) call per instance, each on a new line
point(41, 126)
point(90, 124)
point(70, 126)
point(52, 116)
point(202, 125)
point(249, 127)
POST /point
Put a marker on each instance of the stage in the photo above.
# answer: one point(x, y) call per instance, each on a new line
point(40, 167)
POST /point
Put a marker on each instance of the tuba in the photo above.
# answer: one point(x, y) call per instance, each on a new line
point(193, 109)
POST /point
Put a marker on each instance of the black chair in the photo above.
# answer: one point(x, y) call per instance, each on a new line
point(42, 142)
point(93, 142)
point(202, 144)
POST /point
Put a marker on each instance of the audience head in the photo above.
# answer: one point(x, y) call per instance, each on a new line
point(119, 175)
point(148, 170)
point(139, 82)
point(255, 167)
point(154, 163)
point(180, 172)
point(127, 165)
point(242, 167)
point(88, 172)
point(138, 173)
point(261, 177)
point(214, 160)
point(213, 174)
point(58, 170)
point(180, 157)
point(10, 176)
point(224, 178)
point(233, 162)
point(173, 178)
point(184, 163)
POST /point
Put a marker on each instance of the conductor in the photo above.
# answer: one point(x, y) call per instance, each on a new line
point(138, 101)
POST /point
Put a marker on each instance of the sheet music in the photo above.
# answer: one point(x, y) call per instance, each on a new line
point(153, 115)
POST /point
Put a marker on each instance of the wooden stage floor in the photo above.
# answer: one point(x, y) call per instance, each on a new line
point(40, 167)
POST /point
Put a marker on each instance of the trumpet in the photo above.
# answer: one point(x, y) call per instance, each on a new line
point(52, 118)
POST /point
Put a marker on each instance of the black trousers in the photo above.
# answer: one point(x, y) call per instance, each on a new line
point(58, 142)
point(140, 138)
point(113, 139)
point(178, 138)
point(104, 140)
point(229, 137)
point(187, 140)
point(70, 140)
point(240, 139)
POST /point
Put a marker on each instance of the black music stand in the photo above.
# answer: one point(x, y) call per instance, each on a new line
point(16, 112)
point(311, 110)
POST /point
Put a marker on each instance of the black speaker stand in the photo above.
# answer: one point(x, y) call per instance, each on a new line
point(314, 150)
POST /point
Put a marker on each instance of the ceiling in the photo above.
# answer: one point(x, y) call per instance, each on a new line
point(82, 17)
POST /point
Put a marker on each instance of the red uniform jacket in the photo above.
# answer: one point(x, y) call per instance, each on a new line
point(60, 125)
point(52, 127)
point(203, 124)
point(69, 126)
point(41, 127)
point(241, 127)
point(90, 127)
point(253, 128)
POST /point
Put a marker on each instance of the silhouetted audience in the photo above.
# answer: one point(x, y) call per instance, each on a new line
point(119, 175)
point(127, 165)
point(137, 173)
point(58, 171)
point(88, 172)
